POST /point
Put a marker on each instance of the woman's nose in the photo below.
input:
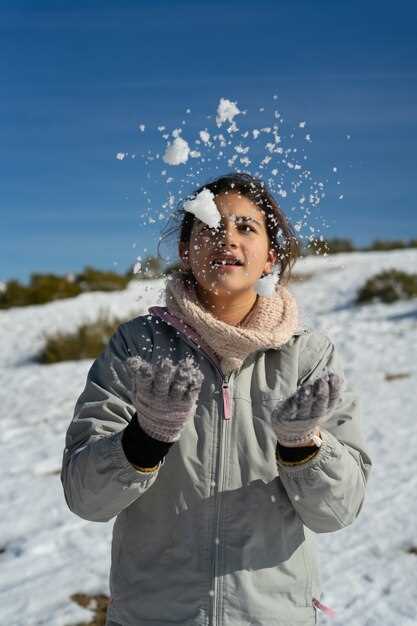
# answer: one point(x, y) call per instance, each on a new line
point(227, 234)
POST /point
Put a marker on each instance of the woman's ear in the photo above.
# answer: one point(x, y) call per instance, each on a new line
point(271, 261)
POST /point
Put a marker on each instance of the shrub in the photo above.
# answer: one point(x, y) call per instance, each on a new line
point(41, 289)
point(388, 286)
point(329, 246)
point(45, 288)
point(150, 268)
point(87, 342)
point(91, 279)
point(399, 244)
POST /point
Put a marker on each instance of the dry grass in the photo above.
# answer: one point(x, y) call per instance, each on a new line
point(87, 342)
point(97, 604)
point(391, 377)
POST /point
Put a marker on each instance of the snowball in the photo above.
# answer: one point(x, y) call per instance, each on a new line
point(120, 155)
point(204, 208)
point(204, 136)
point(226, 111)
point(255, 133)
point(142, 127)
point(177, 152)
point(302, 124)
point(266, 286)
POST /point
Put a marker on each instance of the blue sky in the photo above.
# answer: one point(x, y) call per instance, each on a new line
point(79, 77)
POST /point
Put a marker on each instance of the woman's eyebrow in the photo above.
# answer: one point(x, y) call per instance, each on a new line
point(247, 218)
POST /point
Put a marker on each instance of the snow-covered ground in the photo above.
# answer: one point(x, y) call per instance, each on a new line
point(369, 574)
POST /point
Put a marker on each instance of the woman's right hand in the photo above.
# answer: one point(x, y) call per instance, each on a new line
point(164, 395)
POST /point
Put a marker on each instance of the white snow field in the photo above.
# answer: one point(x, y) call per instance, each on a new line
point(368, 570)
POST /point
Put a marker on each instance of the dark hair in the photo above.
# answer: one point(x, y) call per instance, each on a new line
point(281, 233)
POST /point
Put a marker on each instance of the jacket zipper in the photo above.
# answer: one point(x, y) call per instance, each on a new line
point(227, 414)
point(325, 609)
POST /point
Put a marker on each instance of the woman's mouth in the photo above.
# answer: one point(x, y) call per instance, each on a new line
point(226, 265)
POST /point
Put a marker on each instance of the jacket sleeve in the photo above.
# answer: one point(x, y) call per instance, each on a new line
point(98, 480)
point(328, 491)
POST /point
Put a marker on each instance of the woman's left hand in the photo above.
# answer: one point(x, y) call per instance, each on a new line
point(297, 419)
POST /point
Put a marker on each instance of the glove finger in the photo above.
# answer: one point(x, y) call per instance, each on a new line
point(184, 376)
point(335, 388)
point(305, 399)
point(141, 373)
point(164, 371)
point(194, 386)
point(321, 398)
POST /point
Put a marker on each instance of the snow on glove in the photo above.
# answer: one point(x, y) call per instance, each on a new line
point(296, 420)
point(164, 395)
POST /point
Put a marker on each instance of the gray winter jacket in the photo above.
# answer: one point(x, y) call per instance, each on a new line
point(222, 533)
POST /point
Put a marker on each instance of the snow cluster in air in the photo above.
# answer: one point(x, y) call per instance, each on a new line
point(177, 152)
point(226, 111)
point(226, 141)
point(204, 208)
point(266, 286)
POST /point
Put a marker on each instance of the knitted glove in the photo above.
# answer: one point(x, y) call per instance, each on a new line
point(164, 395)
point(296, 420)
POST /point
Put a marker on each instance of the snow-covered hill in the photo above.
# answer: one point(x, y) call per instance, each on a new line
point(369, 570)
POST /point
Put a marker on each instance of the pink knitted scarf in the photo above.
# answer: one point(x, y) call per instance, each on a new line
point(270, 324)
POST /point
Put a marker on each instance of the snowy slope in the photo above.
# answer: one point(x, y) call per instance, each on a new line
point(46, 553)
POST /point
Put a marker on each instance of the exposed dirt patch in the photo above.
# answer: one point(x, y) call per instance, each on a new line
point(391, 377)
point(97, 604)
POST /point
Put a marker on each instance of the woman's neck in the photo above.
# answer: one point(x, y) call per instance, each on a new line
point(232, 309)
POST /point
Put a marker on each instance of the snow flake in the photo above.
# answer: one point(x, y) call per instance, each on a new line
point(177, 152)
point(204, 208)
point(226, 111)
point(204, 136)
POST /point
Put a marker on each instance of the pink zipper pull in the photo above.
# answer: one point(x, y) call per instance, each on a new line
point(322, 607)
point(226, 402)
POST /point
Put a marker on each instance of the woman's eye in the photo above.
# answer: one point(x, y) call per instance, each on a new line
point(247, 228)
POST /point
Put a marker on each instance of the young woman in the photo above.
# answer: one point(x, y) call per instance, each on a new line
point(221, 435)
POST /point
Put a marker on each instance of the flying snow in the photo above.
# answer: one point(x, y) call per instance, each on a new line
point(204, 208)
point(266, 286)
point(177, 152)
point(226, 111)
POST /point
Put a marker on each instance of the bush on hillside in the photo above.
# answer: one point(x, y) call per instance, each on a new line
point(380, 244)
point(87, 342)
point(91, 279)
point(388, 286)
point(43, 288)
point(329, 246)
point(150, 268)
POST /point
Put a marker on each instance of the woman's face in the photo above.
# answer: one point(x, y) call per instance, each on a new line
point(242, 235)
